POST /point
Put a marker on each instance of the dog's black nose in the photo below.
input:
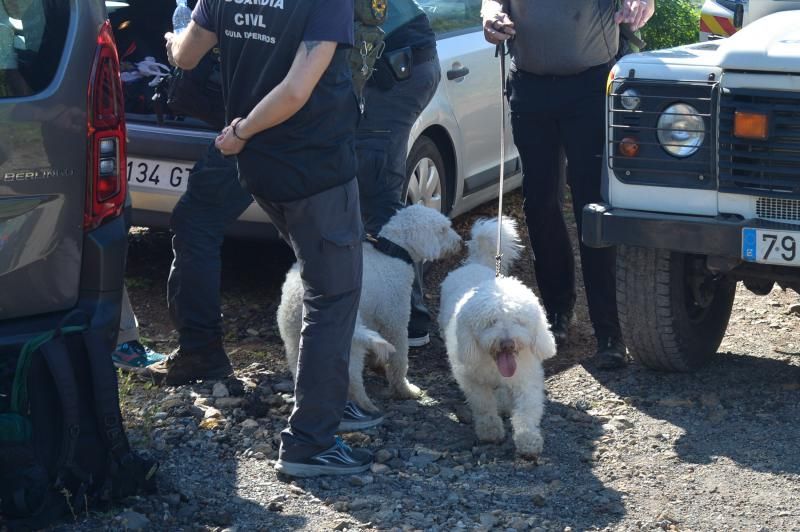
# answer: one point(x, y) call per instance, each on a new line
point(507, 345)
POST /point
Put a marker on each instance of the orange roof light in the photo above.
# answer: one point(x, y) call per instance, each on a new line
point(750, 125)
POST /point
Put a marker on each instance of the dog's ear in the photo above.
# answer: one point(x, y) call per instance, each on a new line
point(544, 345)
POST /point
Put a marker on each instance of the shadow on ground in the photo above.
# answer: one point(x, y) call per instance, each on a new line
point(741, 407)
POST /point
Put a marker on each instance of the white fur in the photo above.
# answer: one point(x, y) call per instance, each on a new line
point(385, 305)
point(478, 313)
point(365, 341)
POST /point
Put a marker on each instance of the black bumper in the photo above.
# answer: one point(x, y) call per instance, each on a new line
point(719, 236)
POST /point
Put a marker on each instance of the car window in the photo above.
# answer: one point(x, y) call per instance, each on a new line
point(32, 36)
point(452, 15)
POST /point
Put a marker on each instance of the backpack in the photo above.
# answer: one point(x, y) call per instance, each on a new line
point(63, 448)
point(196, 93)
point(369, 43)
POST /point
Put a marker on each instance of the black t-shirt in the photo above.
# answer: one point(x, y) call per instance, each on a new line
point(314, 149)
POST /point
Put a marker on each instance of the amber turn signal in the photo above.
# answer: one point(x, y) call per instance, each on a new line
point(750, 125)
point(629, 146)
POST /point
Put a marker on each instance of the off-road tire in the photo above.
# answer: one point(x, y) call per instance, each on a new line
point(663, 325)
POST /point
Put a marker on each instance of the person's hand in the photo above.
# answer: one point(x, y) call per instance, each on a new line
point(230, 141)
point(170, 38)
point(497, 27)
point(635, 13)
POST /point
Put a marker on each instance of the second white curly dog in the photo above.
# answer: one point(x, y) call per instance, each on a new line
point(497, 336)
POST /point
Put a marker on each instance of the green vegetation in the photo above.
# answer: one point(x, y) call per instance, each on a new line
point(675, 22)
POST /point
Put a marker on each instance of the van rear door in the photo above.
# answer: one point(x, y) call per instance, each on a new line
point(47, 52)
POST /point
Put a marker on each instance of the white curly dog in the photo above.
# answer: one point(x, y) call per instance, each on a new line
point(385, 306)
point(365, 341)
point(497, 336)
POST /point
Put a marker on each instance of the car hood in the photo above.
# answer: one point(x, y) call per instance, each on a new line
point(768, 44)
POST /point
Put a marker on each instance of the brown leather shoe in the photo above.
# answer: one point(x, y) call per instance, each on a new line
point(184, 366)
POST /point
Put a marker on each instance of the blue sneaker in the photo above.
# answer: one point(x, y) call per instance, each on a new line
point(133, 356)
point(355, 418)
point(340, 459)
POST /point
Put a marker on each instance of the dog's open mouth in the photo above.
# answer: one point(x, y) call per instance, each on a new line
point(506, 360)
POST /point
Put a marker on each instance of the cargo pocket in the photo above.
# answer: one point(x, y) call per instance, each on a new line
point(339, 268)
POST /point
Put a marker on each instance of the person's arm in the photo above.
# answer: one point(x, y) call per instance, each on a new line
point(497, 27)
point(635, 13)
point(282, 102)
point(188, 48)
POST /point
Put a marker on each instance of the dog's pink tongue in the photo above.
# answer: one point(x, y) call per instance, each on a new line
point(507, 364)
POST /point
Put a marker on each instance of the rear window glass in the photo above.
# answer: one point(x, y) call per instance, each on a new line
point(32, 37)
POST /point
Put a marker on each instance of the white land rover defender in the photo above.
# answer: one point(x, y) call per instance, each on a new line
point(702, 183)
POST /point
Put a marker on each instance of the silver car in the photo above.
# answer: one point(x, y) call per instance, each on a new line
point(454, 148)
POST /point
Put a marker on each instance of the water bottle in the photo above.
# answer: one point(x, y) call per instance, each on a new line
point(181, 17)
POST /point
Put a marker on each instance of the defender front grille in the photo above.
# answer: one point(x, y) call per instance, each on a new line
point(770, 167)
point(778, 209)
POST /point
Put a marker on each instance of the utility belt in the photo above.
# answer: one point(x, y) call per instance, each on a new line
point(397, 65)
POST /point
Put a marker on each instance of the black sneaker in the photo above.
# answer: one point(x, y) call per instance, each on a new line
point(611, 354)
point(559, 326)
point(418, 338)
point(354, 418)
point(340, 459)
point(184, 366)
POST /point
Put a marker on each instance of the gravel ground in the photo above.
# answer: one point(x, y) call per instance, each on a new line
point(627, 450)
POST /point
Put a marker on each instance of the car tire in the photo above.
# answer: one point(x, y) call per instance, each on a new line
point(672, 311)
point(426, 172)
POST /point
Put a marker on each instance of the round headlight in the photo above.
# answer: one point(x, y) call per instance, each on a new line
point(629, 99)
point(681, 130)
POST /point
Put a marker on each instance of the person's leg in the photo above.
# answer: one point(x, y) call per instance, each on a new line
point(382, 144)
point(129, 353)
point(325, 232)
point(212, 201)
point(128, 324)
point(583, 135)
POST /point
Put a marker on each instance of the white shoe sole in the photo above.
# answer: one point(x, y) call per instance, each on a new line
point(419, 342)
point(308, 470)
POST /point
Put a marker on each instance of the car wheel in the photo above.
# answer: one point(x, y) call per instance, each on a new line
point(672, 310)
point(427, 176)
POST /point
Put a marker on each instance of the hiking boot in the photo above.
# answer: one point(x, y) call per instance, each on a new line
point(133, 356)
point(340, 459)
point(354, 418)
point(418, 338)
point(559, 326)
point(611, 354)
point(183, 366)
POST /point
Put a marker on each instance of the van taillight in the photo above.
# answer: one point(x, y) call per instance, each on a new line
point(107, 165)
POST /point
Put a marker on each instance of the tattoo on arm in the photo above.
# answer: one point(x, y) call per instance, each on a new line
point(310, 45)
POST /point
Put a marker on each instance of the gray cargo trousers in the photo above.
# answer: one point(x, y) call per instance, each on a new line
point(325, 233)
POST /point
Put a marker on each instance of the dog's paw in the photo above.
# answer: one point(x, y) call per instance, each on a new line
point(406, 390)
point(529, 444)
point(490, 429)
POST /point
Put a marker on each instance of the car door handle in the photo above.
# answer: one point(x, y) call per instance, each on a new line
point(457, 73)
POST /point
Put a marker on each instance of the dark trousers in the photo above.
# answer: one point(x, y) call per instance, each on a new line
point(325, 233)
point(382, 145)
point(548, 112)
point(212, 201)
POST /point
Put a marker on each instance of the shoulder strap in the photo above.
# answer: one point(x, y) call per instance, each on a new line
point(105, 392)
point(58, 362)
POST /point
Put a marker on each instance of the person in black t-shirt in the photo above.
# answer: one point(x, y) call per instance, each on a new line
point(392, 106)
point(292, 117)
